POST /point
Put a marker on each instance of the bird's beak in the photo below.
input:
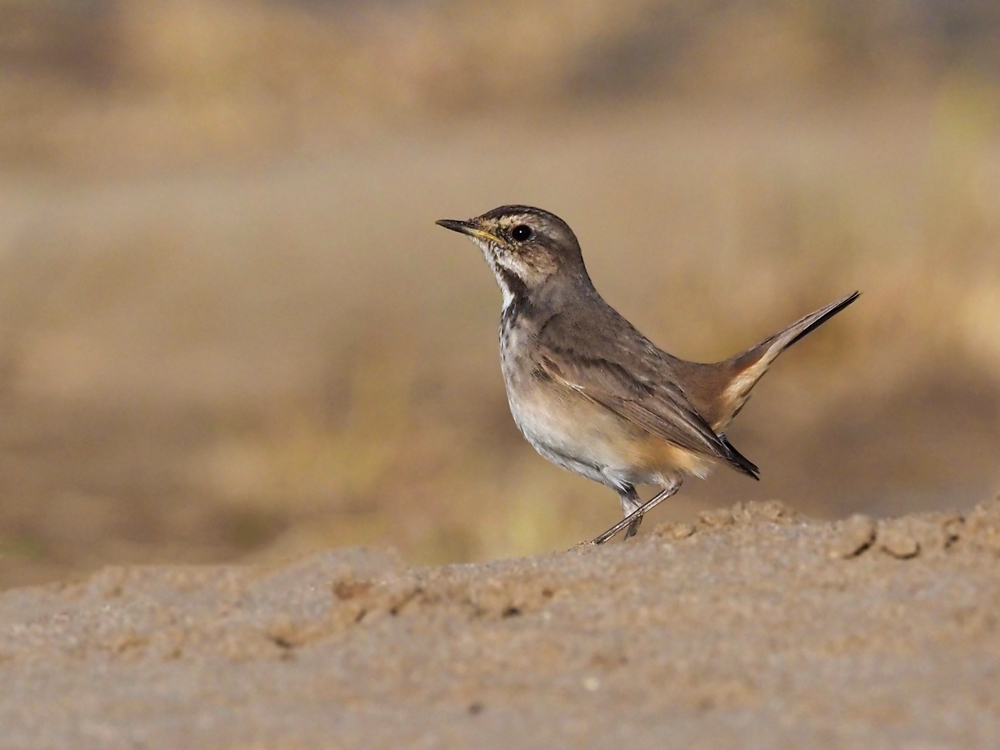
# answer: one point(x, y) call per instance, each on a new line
point(466, 227)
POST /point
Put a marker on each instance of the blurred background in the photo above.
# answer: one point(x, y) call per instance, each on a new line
point(230, 330)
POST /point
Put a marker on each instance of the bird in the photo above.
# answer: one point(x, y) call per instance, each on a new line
point(591, 393)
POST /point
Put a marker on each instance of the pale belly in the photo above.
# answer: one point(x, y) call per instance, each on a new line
point(580, 435)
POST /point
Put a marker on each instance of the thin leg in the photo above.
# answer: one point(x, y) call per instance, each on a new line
point(636, 515)
point(630, 504)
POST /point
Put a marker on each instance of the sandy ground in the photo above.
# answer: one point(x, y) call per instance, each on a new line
point(752, 627)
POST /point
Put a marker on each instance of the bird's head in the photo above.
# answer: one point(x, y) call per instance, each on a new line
point(526, 247)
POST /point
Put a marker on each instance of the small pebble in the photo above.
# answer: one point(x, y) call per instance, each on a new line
point(682, 531)
point(742, 513)
point(898, 543)
point(856, 535)
point(670, 530)
point(718, 517)
point(773, 510)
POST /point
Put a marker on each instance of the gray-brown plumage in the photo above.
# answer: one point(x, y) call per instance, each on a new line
point(589, 391)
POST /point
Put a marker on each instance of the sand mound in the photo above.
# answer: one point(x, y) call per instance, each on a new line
point(752, 627)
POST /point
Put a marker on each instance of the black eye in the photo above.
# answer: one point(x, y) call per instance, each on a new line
point(521, 232)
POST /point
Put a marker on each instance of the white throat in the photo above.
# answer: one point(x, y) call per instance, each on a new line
point(508, 295)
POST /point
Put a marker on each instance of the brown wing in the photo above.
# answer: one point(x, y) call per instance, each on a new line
point(640, 394)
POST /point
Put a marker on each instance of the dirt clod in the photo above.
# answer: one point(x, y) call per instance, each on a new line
point(854, 536)
point(898, 543)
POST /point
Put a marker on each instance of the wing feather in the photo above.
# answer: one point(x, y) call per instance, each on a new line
point(648, 399)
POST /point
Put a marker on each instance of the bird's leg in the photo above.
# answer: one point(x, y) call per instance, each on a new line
point(630, 504)
point(636, 516)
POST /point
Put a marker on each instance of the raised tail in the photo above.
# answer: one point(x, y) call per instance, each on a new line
point(807, 325)
point(746, 368)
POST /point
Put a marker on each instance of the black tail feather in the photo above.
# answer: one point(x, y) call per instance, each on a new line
point(833, 310)
point(738, 460)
